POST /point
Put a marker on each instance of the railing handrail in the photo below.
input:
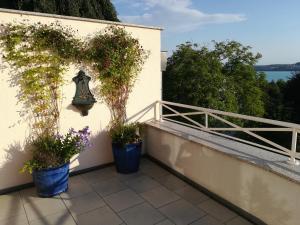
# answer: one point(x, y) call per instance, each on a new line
point(236, 115)
point(216, 114)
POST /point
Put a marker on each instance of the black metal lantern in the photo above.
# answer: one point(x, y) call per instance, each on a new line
point(83, 99)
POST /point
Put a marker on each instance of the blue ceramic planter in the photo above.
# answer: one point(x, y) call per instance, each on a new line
point(51, 182)
point(127, 158)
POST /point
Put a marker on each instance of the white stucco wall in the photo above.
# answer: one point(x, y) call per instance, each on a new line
point(13, 130)
point(272, 198)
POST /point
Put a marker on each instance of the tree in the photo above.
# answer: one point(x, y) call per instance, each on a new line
point(238, 65)
point(194, 76)
point(274, 105)
point(292, 97)
point(222, 78)
point(96, 9)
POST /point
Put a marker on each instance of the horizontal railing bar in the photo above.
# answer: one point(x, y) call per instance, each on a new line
point(252, 143)
point(251, 129)
point(230, 137)
point(245, 117)
point(186, 114)
point(251, 133)
point(185, 117)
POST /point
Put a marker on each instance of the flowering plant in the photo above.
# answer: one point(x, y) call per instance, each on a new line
point(54, 151)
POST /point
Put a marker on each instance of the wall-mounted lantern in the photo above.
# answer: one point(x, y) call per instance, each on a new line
point(83, 99)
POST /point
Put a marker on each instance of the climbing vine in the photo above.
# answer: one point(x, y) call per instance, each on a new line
point(116, 58)
point(38, 56)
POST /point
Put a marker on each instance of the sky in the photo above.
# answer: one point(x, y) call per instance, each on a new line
point(271, 27)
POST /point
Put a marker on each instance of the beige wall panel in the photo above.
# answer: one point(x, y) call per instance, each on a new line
point(13, 130)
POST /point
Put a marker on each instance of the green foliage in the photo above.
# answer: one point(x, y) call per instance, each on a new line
point(275, 106)
point(292, 98)
point(222, 78)
point(38, 56)
point(116, 58)
point(194, 76)
point(238, 65)
point(96, 9)
point(54, 151)
point(124, 134)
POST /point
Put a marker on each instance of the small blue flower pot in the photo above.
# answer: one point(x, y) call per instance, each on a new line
point(127, 158)
point(51, 182)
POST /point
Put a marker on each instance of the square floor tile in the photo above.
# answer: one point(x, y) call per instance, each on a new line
point(43, 207)
point(101, 216)
point(192, 195)
point(141, 214)
point(182, 212)
point(160, 196)
point(155, 171)
point(77, 187)
point(19, 219)
point(108, 187)
point(145, 160)
point(172, 182)
point(148, 165)
point(99, 175)
point(142, 184)
point(10, 205)
point(123, 200)
point(30, 195)
point(165, 222)
point(126, 177)
point(217, 210)
point(84, 203)
point(207, 220)
point(61, 218)
point(239, 221)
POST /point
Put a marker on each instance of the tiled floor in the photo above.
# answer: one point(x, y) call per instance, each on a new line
point(104, 197)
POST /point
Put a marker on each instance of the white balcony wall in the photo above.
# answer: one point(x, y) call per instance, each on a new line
point(268, 196)
point(13, 131)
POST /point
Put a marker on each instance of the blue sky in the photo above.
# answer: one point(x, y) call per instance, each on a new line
point(271, 27)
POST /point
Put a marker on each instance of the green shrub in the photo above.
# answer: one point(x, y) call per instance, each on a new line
point(126, 134)
point(54, 151)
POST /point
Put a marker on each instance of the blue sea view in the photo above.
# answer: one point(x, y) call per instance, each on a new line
point(276, 75)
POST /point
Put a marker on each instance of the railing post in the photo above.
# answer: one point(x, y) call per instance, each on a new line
point(293, 159)
point(157, 111)
point(160, 111)
point(206, 120)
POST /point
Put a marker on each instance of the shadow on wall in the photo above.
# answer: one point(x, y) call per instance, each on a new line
point(17, 153)
point(98, 153)
point(276, 207)
point(227, 178)
point(15, 156)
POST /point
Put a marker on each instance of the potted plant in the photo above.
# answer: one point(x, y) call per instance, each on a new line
point(50, 161)
point(116, 58)
point(38, 55)
point(127, 146)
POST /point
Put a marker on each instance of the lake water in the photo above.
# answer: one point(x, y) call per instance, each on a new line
point(276, 75)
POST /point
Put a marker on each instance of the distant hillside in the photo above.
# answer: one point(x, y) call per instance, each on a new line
point(279, 67)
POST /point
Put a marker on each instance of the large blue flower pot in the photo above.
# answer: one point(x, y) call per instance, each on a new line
point(127, 158)
point(51, 182)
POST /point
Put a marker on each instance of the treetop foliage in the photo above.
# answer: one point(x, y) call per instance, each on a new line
point(222, 78)
point(95, 9)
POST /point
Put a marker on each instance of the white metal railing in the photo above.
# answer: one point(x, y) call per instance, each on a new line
point(216, 114)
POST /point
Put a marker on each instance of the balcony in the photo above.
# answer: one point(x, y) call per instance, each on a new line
point(104, 197)
point(189, 175)
point(193, 172)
